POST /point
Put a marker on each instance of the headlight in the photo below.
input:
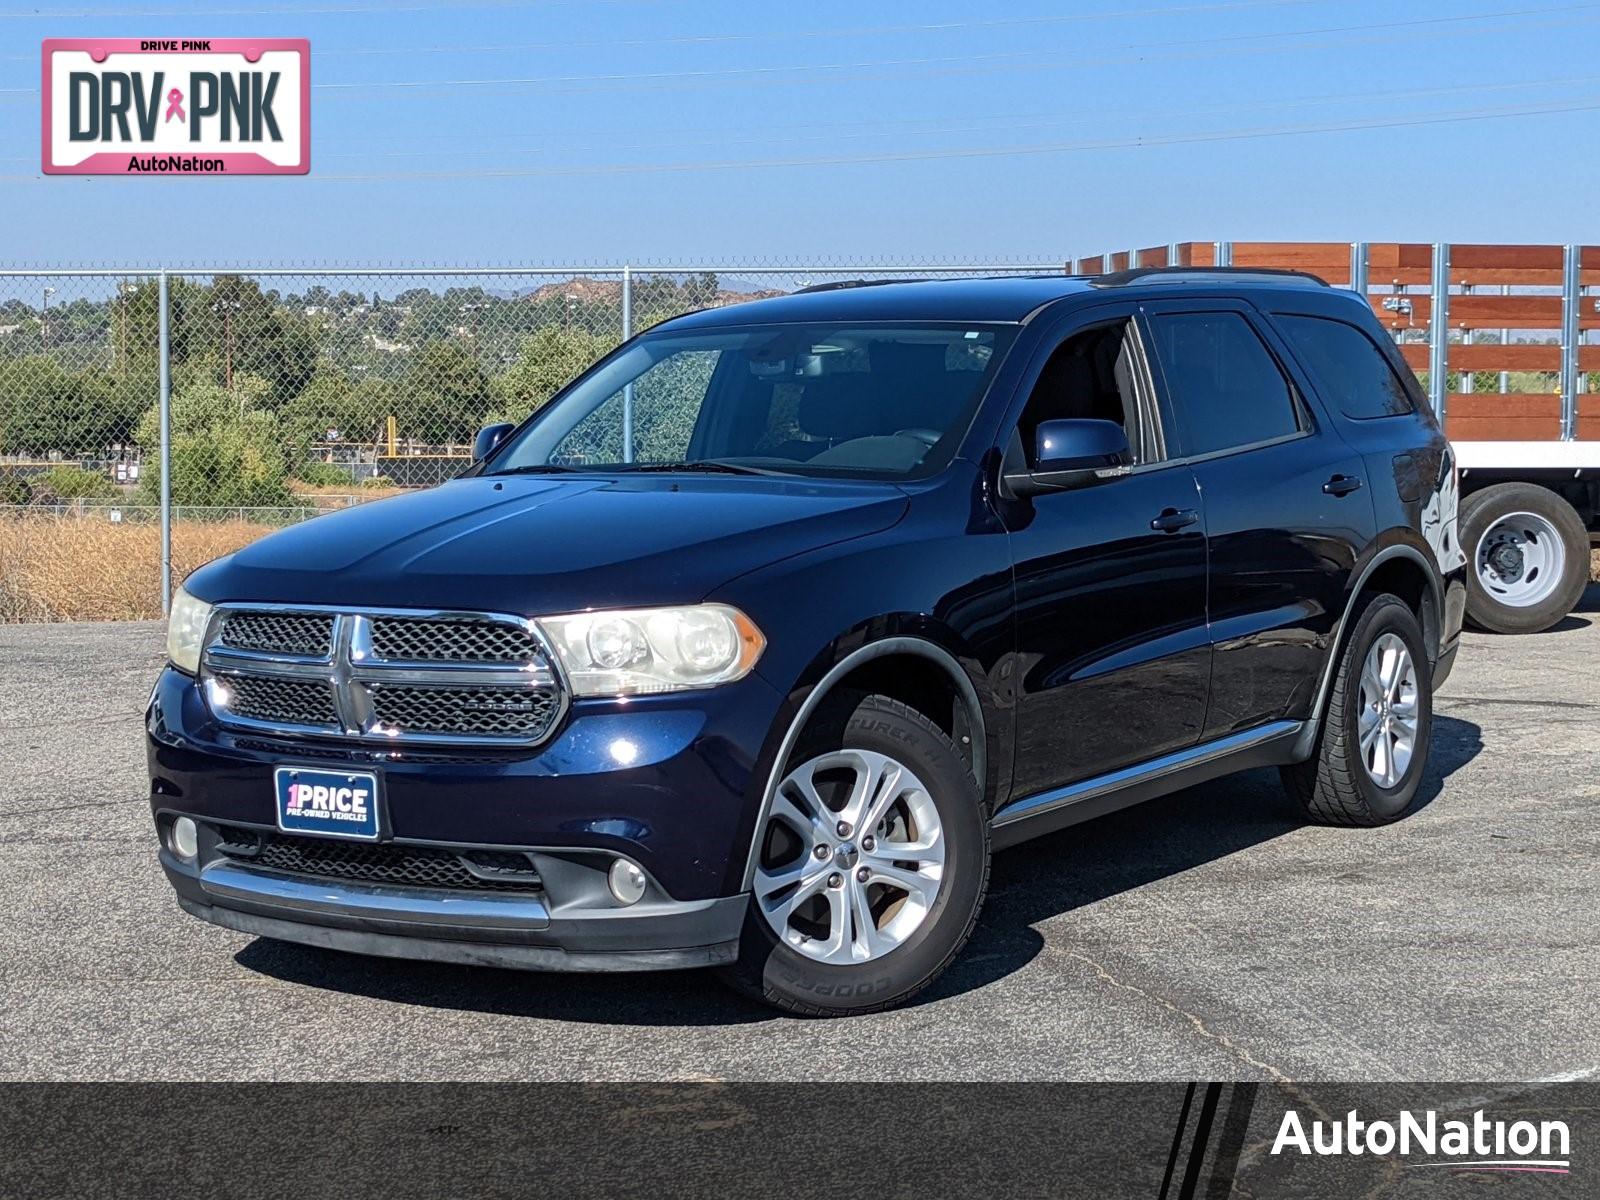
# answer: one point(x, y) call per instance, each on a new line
point(186, 631)
point(643, 650)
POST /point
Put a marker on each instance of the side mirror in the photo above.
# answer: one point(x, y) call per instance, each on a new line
point(1071, 454)
point(488, 438)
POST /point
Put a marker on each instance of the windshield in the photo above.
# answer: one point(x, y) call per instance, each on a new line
point(888, 401)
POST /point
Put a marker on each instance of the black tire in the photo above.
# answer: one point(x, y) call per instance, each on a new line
point(1479, 512)
point(1334, 786)
point(775, 974)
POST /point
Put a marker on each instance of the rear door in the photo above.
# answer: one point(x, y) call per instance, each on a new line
point(1286, 504)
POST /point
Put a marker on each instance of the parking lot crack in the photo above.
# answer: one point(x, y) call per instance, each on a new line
point(1193, 1019)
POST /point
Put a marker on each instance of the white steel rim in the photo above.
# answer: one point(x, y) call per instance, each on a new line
point(1388, 723)
point(1520, 559)
point(852, 858)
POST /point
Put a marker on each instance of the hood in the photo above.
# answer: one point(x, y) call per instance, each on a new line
point(541, 544)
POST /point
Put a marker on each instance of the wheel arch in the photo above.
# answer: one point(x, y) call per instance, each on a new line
point(1399, 568)
point(870, 663)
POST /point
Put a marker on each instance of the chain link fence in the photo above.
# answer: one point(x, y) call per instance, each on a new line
point(292, 393)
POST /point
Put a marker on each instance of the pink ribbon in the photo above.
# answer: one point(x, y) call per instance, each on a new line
point(175, 106)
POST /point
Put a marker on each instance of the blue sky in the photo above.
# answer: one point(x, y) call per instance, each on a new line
point(550, 132)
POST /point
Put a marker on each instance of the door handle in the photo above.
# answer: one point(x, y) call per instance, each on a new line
point(1173, 519)
point(1342, 485)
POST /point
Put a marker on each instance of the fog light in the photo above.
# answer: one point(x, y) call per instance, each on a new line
point(627, 881)
point(185, 838)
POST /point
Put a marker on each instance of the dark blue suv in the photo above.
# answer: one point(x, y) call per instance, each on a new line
point(751, 646)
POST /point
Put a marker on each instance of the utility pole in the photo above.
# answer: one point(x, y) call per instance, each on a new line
point(44, 319)
point(226, 309)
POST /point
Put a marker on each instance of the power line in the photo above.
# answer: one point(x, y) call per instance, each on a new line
point(1588, 104)
point(776, 36)
point(318, 11)
point(994, 125)
point(997, 124)
point(814, 34)
point(754, 72)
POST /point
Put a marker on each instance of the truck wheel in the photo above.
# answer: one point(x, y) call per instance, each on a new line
point(873, 865)
point(1527, 557)
point(1373, 745)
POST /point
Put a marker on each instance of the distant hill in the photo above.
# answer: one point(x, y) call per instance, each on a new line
point(583, 289)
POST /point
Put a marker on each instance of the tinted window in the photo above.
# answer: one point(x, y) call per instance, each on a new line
point(879, 400)
point(1226, 386)
point(1348, 367)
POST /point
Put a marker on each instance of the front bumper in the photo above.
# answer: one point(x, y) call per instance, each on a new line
point(666, 782)
point(489, 929)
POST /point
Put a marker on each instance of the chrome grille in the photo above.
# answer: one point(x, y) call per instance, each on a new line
point(383, 677)
point(515, 712)
point(280, 700)
point(309, 635)
point(410, 639)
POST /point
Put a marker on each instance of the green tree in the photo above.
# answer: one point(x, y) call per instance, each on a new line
point(550, 360)
point(250, 333)
point(227, 450)
point(445, 397)
point(332, 404)
point(44, 408)
point(230, 328)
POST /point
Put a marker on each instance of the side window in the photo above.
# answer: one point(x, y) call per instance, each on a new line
point(1226, 387)
point(1096, 374)
point(1349, 367)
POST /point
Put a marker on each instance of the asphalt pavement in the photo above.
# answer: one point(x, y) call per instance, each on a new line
point(1211, 934)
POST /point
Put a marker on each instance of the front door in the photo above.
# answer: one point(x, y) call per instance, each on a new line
point(1113, 658)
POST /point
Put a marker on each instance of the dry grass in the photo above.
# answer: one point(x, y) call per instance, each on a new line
point(343, 491)
point(87, 569)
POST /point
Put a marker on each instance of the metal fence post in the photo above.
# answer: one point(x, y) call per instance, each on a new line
point(1571, 300)
point(1505, 340)
point(627, 389)
point(1222, 254)
point(1439, 330)
point(1358, 268)
point(165, 355)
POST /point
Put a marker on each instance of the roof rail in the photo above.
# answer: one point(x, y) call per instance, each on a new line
point(837, 284)
point(1201, 275)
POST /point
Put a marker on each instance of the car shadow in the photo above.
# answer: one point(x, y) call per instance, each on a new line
point(1579, 617)
point(1031, 883)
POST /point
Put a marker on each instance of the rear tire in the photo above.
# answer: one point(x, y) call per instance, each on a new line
point(1527, 557)
point(847, 920)
point(1372, 748)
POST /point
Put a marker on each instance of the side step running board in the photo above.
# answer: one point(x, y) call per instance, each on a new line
point(1046, 812)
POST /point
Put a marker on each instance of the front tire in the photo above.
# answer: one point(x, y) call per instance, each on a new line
point(1528, 557)
point(873, 865)
point(1372, 748)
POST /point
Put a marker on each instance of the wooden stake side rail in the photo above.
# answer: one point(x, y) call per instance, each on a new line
point(1541, 300)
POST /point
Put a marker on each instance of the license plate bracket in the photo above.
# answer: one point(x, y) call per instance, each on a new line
point(323, 803)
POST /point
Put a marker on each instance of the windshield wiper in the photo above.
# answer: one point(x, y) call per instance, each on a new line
point(537, 469)
point(709, 466)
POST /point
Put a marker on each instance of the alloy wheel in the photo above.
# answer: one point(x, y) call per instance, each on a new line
point(1388, 720)
point(853, 857)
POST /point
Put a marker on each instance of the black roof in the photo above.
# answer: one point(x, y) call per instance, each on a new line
point(1005, 298)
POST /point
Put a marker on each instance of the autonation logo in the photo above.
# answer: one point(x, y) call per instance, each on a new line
point(1478, 1144)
